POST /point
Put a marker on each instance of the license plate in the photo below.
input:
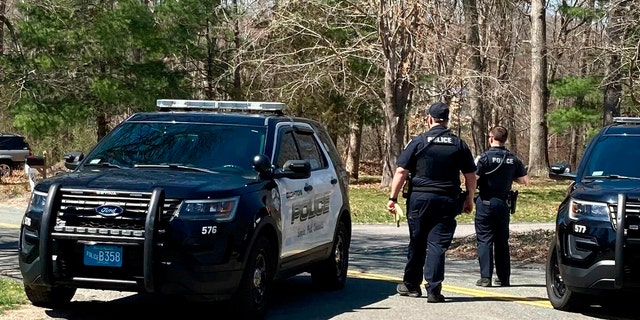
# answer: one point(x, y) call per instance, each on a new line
point(103, 256)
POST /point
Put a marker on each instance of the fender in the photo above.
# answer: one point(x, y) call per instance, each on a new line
point(264, 224)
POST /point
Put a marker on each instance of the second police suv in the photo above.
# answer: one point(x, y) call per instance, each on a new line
point(596, 247)
point(206, 199)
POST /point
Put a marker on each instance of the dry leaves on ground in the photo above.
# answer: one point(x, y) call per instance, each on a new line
point(526, 247)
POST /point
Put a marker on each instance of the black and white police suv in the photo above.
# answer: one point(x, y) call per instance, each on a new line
point(209, 200)
point(596, 247)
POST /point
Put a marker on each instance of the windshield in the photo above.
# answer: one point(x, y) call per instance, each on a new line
point(212, 147)
point(614, 155)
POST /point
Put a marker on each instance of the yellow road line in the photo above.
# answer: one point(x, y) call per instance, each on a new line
point(538, 302)
point(8, 225)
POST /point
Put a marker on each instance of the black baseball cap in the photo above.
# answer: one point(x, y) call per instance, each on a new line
point(439, 111)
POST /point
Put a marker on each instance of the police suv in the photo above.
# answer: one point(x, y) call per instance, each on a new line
point(596, 248)
point(206, 199)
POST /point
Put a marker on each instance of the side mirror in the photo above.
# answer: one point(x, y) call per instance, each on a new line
point(72, 159)
point(262, 164)
point(294, 169)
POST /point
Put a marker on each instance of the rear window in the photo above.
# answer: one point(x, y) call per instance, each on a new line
point(13, 143)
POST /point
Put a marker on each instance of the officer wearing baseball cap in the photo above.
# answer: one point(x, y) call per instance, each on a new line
point(434, 160)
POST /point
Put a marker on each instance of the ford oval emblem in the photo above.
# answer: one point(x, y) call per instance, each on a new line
point(109, 210)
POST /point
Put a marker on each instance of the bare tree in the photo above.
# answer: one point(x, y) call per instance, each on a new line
point(612, 85)
point(399, 21)
point(478, 126)
point(538, 157)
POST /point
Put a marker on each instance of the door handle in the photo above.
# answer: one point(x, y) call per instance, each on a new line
point(308, 187)
point(334, 180)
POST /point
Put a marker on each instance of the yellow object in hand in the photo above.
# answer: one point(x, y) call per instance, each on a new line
point(398, 215)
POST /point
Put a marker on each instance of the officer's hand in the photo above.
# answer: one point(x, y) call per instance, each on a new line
point(391, 206)
point(468, 205)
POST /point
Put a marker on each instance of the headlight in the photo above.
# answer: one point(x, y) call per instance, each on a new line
point(37, 202)
point(220, 210)
point(588, 210)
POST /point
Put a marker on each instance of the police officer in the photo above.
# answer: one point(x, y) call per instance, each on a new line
point(434, 159)
point(497, 169)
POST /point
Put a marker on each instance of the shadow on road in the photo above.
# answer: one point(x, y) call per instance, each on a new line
point(294, 299)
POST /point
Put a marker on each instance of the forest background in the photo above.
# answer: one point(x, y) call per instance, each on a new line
point(552, 72)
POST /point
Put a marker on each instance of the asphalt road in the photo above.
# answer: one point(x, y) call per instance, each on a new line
point(377, 259)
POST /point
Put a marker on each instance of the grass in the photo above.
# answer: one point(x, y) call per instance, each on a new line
point(11, 294)
point(537, 202)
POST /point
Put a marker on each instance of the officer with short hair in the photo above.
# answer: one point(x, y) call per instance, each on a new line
point(435, 159)
point(497, 169)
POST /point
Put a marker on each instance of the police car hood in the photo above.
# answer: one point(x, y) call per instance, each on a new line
point(607, 189)
point(176, 183)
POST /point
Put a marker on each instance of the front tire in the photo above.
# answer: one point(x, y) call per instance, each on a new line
point(254, 292)
point(49, 297)
point(331, 274)
point(560, 296)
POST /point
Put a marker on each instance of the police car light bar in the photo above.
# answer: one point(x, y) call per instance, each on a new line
point(626, 120)
point(220, 105)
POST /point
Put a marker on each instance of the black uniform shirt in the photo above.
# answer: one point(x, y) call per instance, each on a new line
point(437, 168)
point(498, 183)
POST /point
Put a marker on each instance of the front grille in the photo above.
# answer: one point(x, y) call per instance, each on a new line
point(632, 217)
point(77, 212)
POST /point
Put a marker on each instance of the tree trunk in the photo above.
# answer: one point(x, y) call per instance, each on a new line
point(3, 9)
point(613, 87)
point(478, 124)
point(236, 93)
point(355, 140)
point(101, 125)
point(394, 123)
point(398, 23)
point(538, 156)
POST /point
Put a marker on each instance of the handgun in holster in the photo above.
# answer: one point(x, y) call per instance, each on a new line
point(512, 200)
point(407, 187)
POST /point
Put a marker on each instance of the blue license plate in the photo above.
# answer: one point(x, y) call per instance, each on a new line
point(103, 255)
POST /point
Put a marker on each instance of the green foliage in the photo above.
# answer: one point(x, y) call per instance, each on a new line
point(562, 119)
point(582, 13)
point(79, 61)
point(585, 97)
point(576, 87)
point(11, 294)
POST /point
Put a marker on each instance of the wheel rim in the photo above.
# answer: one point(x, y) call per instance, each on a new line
point(260, 278)
point(5, 170)
point(557, 282)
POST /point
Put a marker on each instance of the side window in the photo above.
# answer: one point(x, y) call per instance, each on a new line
point(287, 149)
point(311, 151)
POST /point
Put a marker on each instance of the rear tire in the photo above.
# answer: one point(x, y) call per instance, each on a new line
point(254, 292)
point(5, 169)
point(49, 297)
point(561, 297)
point(331, 274)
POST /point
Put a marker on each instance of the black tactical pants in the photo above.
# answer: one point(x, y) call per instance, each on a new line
point(492, 232)
point(431, 220)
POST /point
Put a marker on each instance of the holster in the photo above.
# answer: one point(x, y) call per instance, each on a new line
point(512, 201)
point(407, 187)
